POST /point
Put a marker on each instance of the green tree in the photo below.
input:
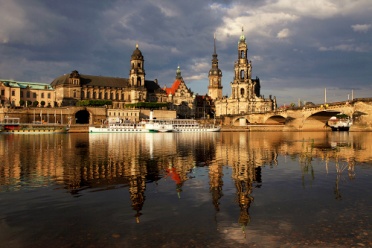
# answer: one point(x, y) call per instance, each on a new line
point(42, 103)
point(35, 103)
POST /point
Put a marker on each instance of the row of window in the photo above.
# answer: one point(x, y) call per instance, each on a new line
point(28, 94)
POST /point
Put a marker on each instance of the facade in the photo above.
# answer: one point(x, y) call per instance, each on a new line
point(245, 92)
point(180, 97)
point(16, 94)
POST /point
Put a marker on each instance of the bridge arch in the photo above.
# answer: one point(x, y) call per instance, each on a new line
point(318, 120)
point(276, 119)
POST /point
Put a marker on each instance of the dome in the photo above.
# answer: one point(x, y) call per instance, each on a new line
point(215, 71)
point(137, 54)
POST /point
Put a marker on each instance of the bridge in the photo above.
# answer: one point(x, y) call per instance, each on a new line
point(307, 118)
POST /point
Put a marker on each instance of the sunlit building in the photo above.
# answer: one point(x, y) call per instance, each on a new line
point(245, 95)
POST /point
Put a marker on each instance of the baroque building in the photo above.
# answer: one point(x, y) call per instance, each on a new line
point(245, 92)
point(73, 87)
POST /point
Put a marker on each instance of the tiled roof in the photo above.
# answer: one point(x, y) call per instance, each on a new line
point(174, 87)
point(90, 80)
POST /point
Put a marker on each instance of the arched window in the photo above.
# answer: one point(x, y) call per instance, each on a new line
point(138, 81)
point(242, 54)
point(242, 74)
point(242, 92)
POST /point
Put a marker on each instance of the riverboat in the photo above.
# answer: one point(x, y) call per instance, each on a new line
point(117, 125)
point(13, 126)
point(340, 122)
point(152, 126)
point(191, 125)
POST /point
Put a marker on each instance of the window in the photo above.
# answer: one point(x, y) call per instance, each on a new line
point(21, 93)
point(2, 92)
point(48, 95)
point(242, 74)
point(28, 94)
point(34, 95)
point(42, 95)
point(13, 93)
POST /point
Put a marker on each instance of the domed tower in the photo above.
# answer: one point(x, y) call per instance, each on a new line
point(242, 87)
point(215, 76)
point(137, 71)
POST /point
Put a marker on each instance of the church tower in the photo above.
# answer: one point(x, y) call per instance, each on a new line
point(136, 79)
point(215, 76)
point(137, 71)
point(243, 87)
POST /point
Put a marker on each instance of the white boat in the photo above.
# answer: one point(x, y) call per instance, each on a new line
point(191, 125)
point(116, 125)
point(340, 122)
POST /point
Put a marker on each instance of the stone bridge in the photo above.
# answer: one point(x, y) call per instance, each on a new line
point(308, 118)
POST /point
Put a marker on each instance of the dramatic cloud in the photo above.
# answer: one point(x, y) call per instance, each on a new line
point(297, 48)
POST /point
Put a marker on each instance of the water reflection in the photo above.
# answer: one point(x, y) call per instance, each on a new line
point(80, 163)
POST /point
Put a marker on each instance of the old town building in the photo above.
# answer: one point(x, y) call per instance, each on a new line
point(245, 92)
point(181, 97)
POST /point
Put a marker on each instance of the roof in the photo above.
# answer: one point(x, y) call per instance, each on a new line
point(24, 85)
point(90, 80)
point(102, 81)
point(174, 87)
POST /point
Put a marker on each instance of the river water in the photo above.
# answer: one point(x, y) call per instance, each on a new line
point(228, 189)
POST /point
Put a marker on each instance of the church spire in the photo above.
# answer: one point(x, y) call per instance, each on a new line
point(178, 73)
point(242, 37)
point(214, 37)
point(215, 75)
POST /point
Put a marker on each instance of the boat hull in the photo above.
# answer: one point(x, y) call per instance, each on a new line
point(119, 130)
point(197, 130)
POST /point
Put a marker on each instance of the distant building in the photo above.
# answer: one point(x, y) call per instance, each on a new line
point(16, 93)
point(245, 92)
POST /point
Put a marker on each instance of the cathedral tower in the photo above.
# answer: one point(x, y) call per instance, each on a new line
point(215, 76)
point(243, 87)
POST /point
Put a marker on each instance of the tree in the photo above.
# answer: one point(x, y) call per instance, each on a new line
point(22, 103)
point(42, 103)
point(35, 103)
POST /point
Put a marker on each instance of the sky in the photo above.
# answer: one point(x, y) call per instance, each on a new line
point(297, 48)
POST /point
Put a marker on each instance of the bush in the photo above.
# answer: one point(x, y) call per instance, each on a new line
point(93, 103)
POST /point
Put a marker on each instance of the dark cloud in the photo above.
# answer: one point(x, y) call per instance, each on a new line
point(293, 48)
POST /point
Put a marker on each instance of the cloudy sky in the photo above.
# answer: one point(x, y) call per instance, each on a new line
point(297, 48)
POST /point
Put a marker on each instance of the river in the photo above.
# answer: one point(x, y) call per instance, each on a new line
point(228, 189)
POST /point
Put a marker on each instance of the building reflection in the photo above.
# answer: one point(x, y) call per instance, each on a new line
point(108, 161)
